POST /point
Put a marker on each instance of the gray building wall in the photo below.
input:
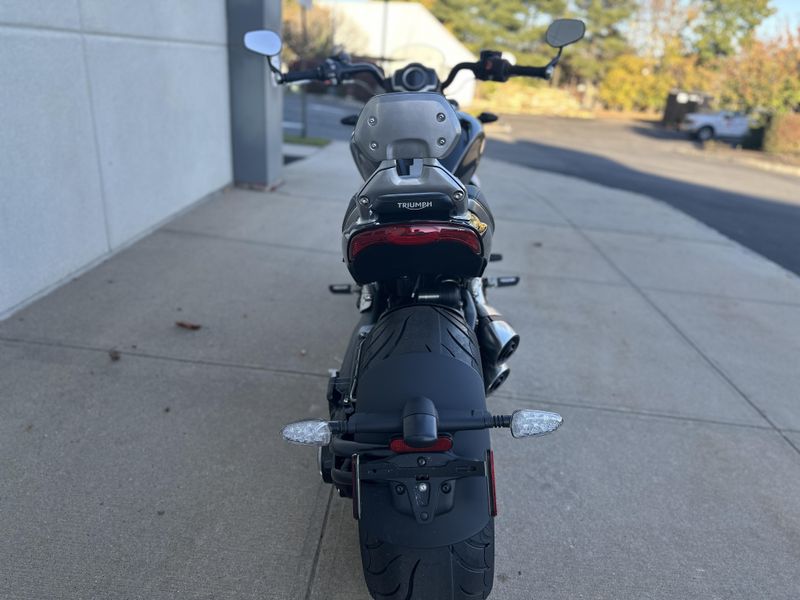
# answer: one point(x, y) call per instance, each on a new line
point(114, 116)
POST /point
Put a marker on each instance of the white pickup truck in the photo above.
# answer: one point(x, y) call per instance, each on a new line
point(722, 124)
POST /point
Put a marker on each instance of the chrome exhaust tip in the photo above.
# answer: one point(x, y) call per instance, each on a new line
point(494, 376)
point(497, 339)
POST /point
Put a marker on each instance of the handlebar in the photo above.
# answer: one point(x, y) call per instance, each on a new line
point(336, 70)
point(493, 67)
point(540, 72)
point(292, 76)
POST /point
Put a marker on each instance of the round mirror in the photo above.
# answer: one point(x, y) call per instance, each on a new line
point(264, 42)
point(563, 32)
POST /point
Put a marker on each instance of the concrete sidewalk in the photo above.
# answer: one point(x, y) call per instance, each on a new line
point(671, 351)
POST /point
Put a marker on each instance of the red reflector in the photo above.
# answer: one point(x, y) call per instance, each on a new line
point(417, 234)
point(492, 488)
point(443, 444)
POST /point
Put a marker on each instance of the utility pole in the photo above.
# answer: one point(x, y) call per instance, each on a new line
point(385, 32)
point(304, 6)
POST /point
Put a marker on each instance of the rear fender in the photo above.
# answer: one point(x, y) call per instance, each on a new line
point(459, 506)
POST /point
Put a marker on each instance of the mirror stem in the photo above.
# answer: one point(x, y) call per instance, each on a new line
point(274, 69)
point(556, 58)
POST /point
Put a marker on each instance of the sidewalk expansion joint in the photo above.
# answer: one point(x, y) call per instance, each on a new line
point(566, 278)
point(225, 238)
point(687, 339)
point(650, 234)
point(629, 411)
point(722, 297)
point(163, 357)
point(318, 550)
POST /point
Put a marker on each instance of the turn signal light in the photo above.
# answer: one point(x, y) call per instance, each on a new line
point(418, 234)
point(313, 432)
point(529, 423)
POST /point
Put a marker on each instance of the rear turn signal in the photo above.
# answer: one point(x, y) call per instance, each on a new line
point(418, 234)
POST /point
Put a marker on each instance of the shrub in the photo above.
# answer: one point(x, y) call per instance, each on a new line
point(783, 134)
point(524, 97)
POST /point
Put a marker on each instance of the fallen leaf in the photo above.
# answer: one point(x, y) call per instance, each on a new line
point(188, 325)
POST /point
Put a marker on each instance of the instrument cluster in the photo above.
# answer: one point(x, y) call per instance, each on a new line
point(415, 77)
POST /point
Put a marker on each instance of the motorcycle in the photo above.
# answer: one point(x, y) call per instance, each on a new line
point(408, 440)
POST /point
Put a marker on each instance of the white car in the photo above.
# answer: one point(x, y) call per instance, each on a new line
point(722, 124)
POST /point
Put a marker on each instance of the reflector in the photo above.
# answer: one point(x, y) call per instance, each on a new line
point(314, 432)
point(443, 444)
point(528, 423)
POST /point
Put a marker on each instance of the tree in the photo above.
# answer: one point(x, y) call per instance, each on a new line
point(764, 76)
point(589, 60)
point(728, 25)
point(322, 29)
point(633, 83)
point(509, 25)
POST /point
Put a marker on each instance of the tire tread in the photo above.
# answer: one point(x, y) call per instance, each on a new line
point(461, 571)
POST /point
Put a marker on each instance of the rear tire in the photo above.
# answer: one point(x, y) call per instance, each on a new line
point(460, 571)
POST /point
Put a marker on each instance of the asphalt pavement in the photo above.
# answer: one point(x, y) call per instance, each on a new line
point(758, 209)
point(141, 459)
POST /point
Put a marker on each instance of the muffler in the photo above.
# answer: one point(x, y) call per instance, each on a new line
point(497, 339)
point(494, 375)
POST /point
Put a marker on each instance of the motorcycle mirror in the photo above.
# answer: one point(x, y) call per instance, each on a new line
point(529, 423)
point(563, 32)
point(264, 42)
point(314, 432)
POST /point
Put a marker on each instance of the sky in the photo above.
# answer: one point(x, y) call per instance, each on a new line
point(787, 11)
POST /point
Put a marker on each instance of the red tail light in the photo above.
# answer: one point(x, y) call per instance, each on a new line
point(417, 234)
point(443, 444)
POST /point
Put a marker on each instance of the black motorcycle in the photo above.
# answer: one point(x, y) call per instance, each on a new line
point(408, 436)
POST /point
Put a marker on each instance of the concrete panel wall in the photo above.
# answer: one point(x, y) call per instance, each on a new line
point(115, 116)
point(51, 209)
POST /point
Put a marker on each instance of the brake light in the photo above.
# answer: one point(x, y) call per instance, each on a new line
point(443, 444)
point(418, 234)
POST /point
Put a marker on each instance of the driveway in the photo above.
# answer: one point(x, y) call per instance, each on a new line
point(758, 209)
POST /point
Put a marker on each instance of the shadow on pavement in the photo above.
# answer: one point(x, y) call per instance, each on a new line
point(768, 227)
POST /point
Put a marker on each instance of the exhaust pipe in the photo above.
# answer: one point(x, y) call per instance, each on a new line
point(495, 375)
point(497, 338)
